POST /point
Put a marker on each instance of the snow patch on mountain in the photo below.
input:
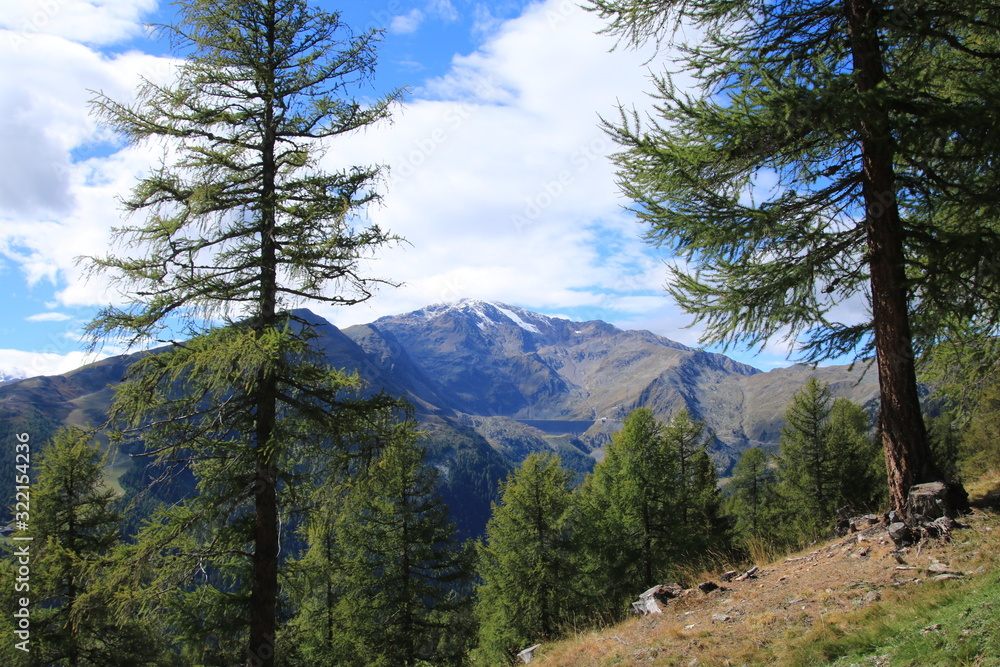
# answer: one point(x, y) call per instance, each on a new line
point(517, 320)
point(486, 313)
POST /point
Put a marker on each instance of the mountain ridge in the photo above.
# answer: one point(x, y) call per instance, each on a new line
point(491, 383)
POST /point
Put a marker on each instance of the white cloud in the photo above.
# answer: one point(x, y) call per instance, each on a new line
point(500, 178)
point(443, 9)
point(406, 24)
point(54, 208)
point(484, 22)
point(15, 363)
point(499, 174)
point(49, 317)
point(98, 22)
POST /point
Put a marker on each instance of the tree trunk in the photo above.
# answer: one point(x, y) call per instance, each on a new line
point(264, 585)
point(904, 438)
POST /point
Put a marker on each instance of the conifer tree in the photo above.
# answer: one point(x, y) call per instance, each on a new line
point(240, 224)
point(946, 442)
point(828, 460)
point(650, 506)
point(981, 437)
point(631, 500)
point(858, 461)
point(75, 526)
point(700, 525)
point(754, 497)
point(806, 467)
point(833, 149)
point(525, 563)
point(384, 572)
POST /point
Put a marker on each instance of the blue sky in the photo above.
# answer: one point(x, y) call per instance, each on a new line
point(498, 179)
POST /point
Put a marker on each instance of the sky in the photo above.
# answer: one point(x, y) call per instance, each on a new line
point(498, 171)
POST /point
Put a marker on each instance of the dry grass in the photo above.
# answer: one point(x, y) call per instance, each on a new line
point(842, 597)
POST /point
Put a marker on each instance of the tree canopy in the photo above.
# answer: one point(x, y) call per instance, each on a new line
point(824, 160)
point(242, 223)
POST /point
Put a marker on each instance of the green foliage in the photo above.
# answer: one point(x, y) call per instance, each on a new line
point(74, 526)
point(651, 506)
point(858, 461)
point(946, 442)
point(828, 150)
point(756, 178)
point(806, 464)
point(698, 502)
point(474, 470)
point(240, 224)
point(828, 460)
point(629, 505)
point(529, 583)
point(753, 497)
point(383, 578)
point(40, 429)
point(981, 439)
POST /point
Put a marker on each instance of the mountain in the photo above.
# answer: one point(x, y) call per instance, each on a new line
point(491, 360)
point(491, 383)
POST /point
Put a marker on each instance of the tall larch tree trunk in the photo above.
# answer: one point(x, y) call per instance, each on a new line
point(904, 437)
point(264, 586)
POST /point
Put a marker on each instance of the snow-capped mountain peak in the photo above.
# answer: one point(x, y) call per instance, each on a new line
point(487, 314)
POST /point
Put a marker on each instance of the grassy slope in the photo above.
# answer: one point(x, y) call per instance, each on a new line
point(828, 606)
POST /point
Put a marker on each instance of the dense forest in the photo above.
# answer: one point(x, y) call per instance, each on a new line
point(833, 150)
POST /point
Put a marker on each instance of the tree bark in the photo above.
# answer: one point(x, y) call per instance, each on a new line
point(904, 437)
point(264, 584)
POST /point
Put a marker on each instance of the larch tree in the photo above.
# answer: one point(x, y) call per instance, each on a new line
point(806, 465)
point(858, 463)
point(76, 522)
point(384, 571)
point(241, 223)
point(631, 500)
point(526, 561)
point(828, 460)
point(753, 500)
point(834, 150)
point(697, 500)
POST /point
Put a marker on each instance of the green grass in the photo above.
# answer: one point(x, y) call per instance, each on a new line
point(903, 629)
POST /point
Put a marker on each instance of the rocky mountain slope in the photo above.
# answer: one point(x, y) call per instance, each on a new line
point(494, 360)
point(854, 600)
point(491, 383)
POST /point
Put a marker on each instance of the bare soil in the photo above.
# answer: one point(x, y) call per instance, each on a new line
point(785, 599)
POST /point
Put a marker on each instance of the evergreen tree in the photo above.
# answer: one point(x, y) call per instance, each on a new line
point(240, 224)
point(75, 523)
point(698, 502)
point(981, 439)
point(754, 500)
point(525, 563)
point(631, 501)
point(834, 148)
point(650, 506)
point(828, 460)
point(946, 442)
point(806, 466)
point(858, 464)
point(384, 571)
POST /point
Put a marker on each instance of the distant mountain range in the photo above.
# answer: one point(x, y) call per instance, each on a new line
point(493, 363)
point(491, 383)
